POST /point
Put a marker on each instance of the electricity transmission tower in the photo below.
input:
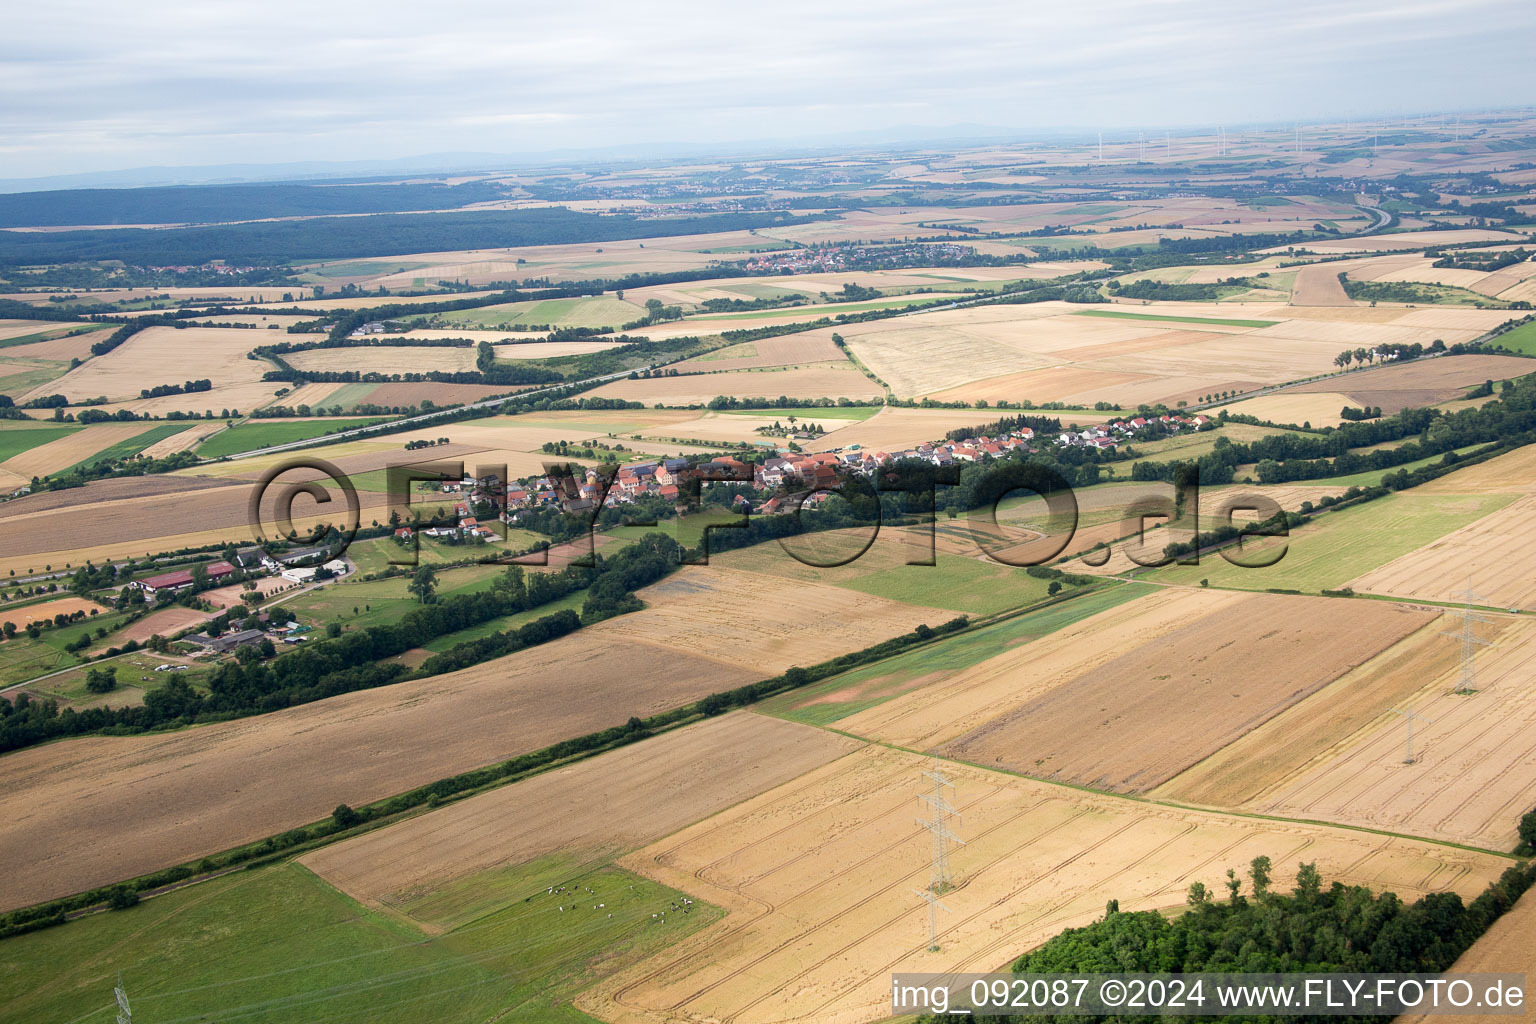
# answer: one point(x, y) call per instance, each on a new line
point(1469, 638)
point(933, 917)
point(124, 1014)
point(1409, 717)
point(941, 880)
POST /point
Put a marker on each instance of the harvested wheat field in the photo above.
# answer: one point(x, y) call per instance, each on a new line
point(1319, 286)
point(1287, 743)
point(186, 440)
point(1494, 556)
point(1511, 473)
point(1503, 949)
point(1320, 408)
point(1145, 715)
point(761, 622)
point(234, 397)
point(65, 808)
point(1051, 352)
point(165, 521)
point(785, 351)
point(817, 878)
point(406, 394)
point(1419, 382)
point(832, 381)
point(384, 359)
point(165, 355)
point(66, 451)
point(25, 616)
point(1471, 778)
point(623, 799)
point(951, 705)
point(894, 428)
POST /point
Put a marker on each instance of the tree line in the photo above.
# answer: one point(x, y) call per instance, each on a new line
point(352, 661)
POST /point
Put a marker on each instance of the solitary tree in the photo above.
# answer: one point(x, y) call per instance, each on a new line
point(424, 584)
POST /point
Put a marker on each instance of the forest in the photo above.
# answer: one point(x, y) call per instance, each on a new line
point(326, 238)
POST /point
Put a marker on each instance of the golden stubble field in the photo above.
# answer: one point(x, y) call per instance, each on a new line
point(817, 878)
point(90, 811)
point(762, 621)
point(167, 355)
point(1494, 556)
point(1470, 780)
point(822, 380)
point(619, 801)
point(385, 359)
point(1051, 352)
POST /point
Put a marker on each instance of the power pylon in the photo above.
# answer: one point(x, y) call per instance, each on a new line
point(1409, 717)
point(124, 1014)
point(933, 917)
point(1469, 639)
point(942, 880)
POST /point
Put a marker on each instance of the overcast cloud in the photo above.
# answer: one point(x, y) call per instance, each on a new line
point(93, 86)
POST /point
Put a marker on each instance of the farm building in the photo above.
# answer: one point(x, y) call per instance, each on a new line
point(170, 582)
point(229, 641)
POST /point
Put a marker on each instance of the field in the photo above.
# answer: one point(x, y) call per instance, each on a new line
point(1420, 382)
point(166, 355)
point(256, 434)
point(958, 581)
point(68, 447)
point(46, 610)
point(1341, 546)
point(1050, 352)
point(1140, 712)
point(843, 698)
point(1491, 556)
point(1166, 318)
point(66, 803)
point(281, 946)
point(384, 359)
point(788, 350)
point(649, 790)
point(1470, 781)
point(1319, 409)
point(1506, 947)
point(816, 877)
point(696, 389)
point(26, 435)
point(763, 623)
point(1521, 339)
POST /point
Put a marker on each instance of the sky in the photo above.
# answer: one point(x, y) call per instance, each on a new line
point(92, 86)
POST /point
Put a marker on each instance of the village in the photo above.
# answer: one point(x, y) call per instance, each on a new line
point(785, 481)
